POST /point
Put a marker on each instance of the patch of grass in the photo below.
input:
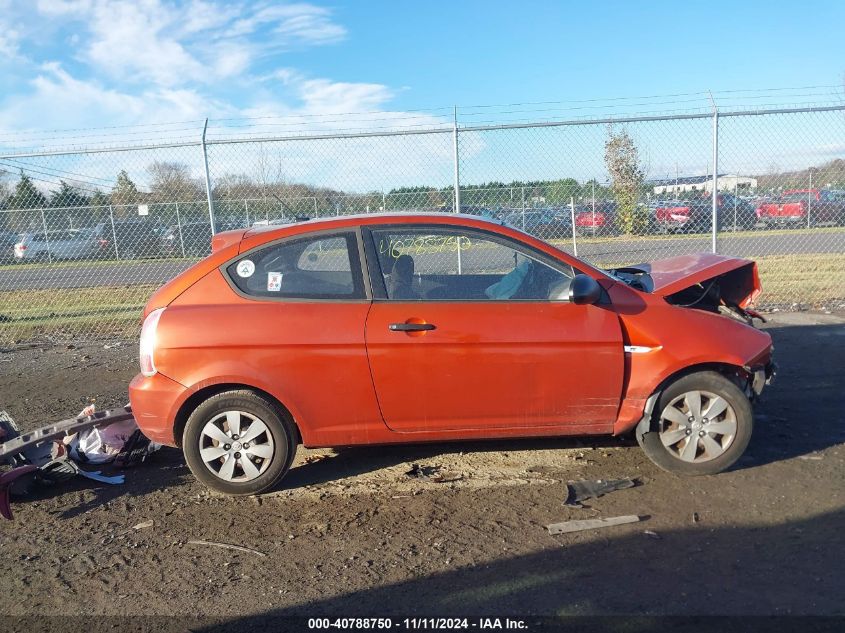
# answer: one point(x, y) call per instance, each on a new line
point(812, 278)
point(94, 263)
point(70, 312)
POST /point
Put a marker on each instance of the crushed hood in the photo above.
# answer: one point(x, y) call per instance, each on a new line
point(739, 280)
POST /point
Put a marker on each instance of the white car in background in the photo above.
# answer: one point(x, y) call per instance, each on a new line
point(65, 244)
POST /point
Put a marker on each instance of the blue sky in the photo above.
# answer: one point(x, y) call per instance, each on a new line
point(198, 58)
point(69, 64)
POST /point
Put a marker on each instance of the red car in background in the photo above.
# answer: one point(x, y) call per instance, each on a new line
point(696, 215)
point(600, 220)
point(673, 216)
point(398, 328)
point(803, 206)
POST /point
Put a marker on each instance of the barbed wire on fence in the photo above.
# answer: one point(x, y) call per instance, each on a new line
point(87, 235)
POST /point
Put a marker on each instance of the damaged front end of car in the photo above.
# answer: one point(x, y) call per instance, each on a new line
point(713, 283)
point(710, 283)
point(699, 317)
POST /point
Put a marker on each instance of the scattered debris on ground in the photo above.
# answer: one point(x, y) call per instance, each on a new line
point(590, 524)
point(7, 480)
point(237, 548)
point(579, 491)
point(432, 473)
point(58, 452)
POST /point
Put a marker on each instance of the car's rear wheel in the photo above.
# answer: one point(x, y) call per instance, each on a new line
point(701, 425)
point(238, 443)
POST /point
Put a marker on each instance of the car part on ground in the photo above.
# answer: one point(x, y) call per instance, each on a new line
point(19, 443)
point(590, 524)
point(578, 491)
point(38, 459)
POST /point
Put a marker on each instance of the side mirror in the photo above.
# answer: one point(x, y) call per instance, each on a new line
point(584, 290)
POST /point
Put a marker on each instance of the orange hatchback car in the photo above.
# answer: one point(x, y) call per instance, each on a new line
point(391, 328)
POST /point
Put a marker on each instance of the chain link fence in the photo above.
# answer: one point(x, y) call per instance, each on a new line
point(87, 236)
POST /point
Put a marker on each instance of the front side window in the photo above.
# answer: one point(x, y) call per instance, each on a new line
point(314, 267)
point(454, 264)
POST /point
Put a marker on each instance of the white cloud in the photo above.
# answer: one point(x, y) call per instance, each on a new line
point(310, 24)
point(57, 100)
point(137, 64)
point(322, 95)
point(199, 41)
point(297, 24)
point(9, 42)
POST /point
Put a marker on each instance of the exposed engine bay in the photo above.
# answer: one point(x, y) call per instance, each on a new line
point(729, 292)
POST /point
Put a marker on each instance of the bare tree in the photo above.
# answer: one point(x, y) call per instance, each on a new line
point(172, 182)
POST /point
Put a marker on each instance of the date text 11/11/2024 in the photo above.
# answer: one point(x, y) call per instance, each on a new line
point(417, 623)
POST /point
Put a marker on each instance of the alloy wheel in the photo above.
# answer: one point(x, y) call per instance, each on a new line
point(236, 446)
point(697, 426)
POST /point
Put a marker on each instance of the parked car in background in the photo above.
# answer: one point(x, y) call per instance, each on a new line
point(544, 223)
point(481, 211)
point(412, 327)
point(735, 212)
point(55, 245)
point(802, 206)
point(598, 219)
point(129, 239)
point(696, 215)
point(7, 246)
point(192, 239)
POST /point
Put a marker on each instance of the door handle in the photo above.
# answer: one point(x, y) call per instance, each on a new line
point(411, 327)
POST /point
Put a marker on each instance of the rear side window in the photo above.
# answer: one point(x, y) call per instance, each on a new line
point(315, 267)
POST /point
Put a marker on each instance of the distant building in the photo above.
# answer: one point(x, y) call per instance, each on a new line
point(725, 182)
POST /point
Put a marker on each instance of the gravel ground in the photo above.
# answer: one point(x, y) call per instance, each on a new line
point(349, 532)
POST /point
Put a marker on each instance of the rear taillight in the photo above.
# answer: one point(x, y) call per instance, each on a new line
point(148, 342)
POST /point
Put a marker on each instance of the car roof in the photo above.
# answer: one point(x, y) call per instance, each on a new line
point(375, 218)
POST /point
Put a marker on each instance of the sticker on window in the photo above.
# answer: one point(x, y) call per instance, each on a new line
point(274, 282)
point(246, 268)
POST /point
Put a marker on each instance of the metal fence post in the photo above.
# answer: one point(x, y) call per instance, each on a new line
point(46, 237)
point(207, 179)
point(522, 192)
point(246, 208)
point(572, 217)
point(457, 183)
point(113, 233)
point(810, 199)
point(736, 199)
point(715, 193)
point(179, 227)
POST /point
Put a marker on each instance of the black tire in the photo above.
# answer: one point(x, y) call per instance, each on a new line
point(279, 425)
point(715, 383)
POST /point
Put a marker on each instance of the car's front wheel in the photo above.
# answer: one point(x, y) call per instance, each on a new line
point(238, 443)
point(701, 425)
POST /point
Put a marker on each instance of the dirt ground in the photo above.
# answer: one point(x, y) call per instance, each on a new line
point(350, 533)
